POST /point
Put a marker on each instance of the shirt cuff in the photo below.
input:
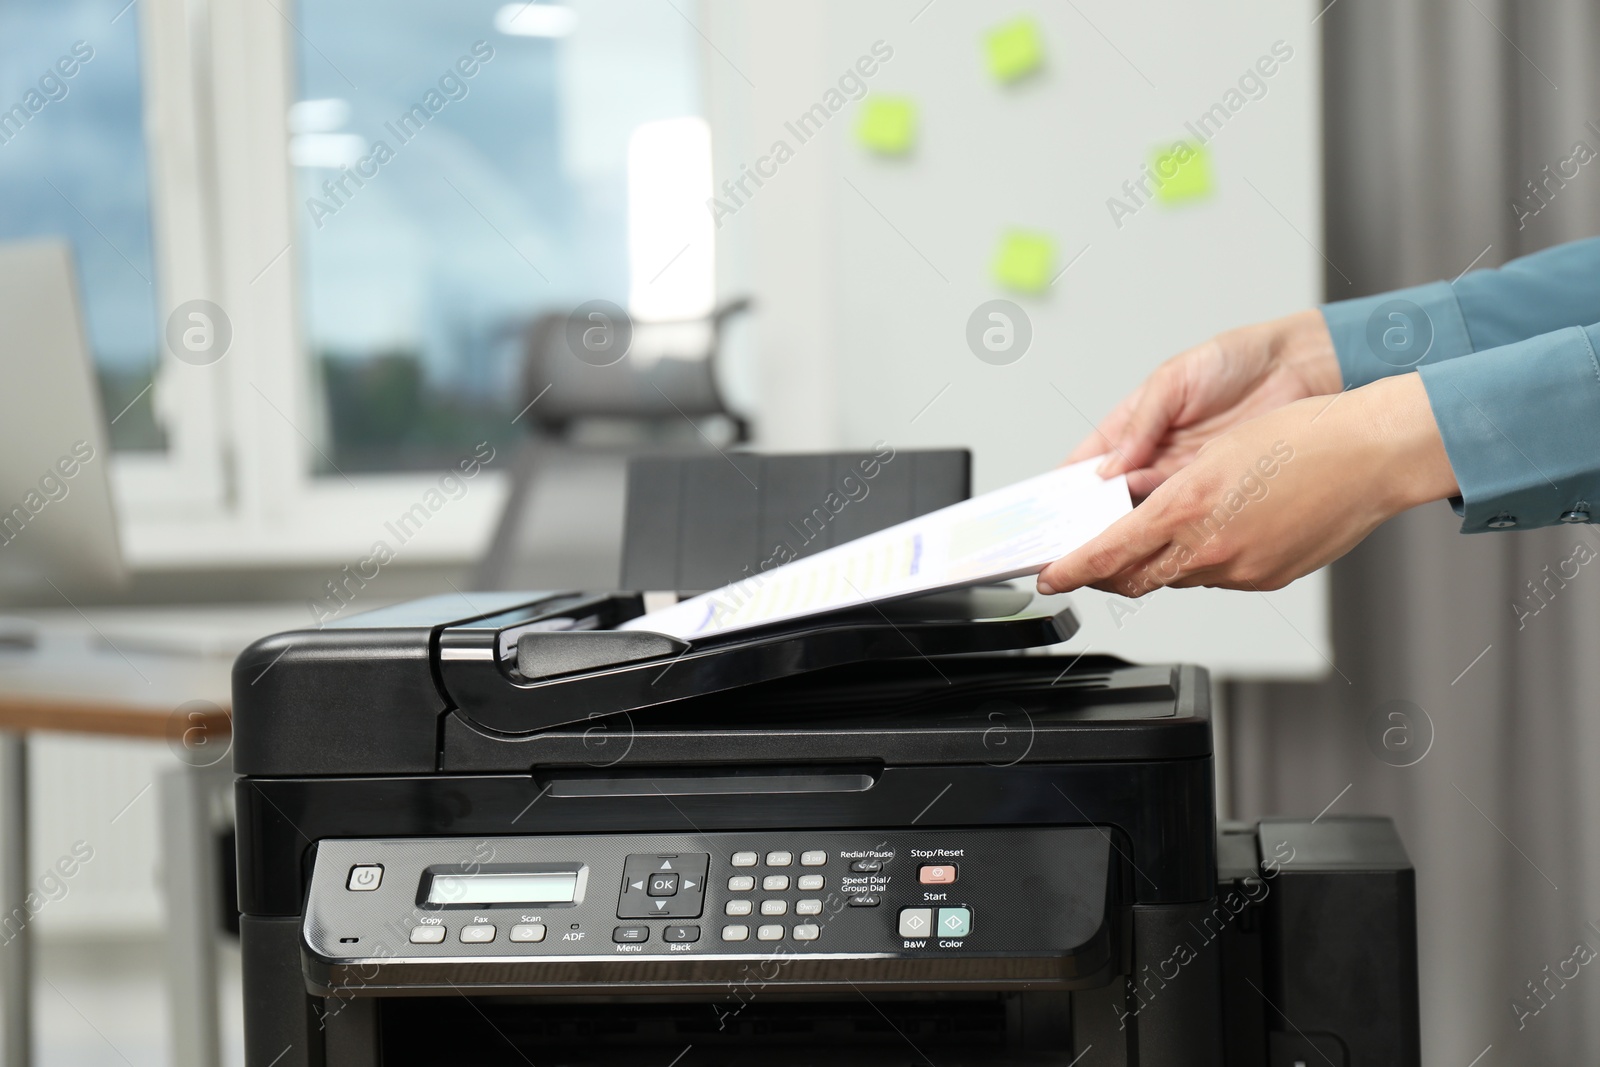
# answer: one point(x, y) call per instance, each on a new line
point(1521, 427)
point(1395, 332)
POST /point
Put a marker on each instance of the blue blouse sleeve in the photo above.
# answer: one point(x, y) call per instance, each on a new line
point(1521, 425)
point(1395, 332)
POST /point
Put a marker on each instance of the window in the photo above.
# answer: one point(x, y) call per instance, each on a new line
point(73, 166)
point(461, 169)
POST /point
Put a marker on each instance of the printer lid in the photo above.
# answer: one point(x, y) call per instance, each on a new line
point(517, 665)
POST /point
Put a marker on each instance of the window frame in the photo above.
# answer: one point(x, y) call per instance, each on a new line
point(236, 487)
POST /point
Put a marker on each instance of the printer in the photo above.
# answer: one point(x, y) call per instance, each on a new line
point(496, 829)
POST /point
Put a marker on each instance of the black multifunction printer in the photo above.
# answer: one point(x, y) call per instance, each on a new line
point(493, 829)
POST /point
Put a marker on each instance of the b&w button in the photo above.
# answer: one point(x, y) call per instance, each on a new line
point(915, 922)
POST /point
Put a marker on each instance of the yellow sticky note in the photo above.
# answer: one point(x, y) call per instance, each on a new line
point(1014, 49)
point(1183, 173)
point(888, 124)
point(1024, 261)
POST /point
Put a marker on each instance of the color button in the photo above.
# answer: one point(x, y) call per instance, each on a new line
point(915, 922)
point(941, 874)
point(528, 932)
point(955, 922)
point(427, 935)
point(364, 878)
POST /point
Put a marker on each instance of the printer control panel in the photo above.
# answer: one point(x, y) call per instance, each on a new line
point(956, 895)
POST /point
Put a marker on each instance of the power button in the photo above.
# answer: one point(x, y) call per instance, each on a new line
point(364, 877)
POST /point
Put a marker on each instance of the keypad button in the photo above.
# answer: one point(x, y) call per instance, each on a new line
point(866, 866)
point(779, 859)
point(808, 907)
point(663, 885)
point(936, 874)
point(741, 883)
point(864, 900)
point(625, 934)
point(427, 935)
point(807, 932)
point(809, 883)
point(774, 907)
point(681, 934)
point(773, 932)
point(955, 922)
point(814, 858)
point(915, 922)
point(477, 934)
point(528, 933)
point(735, 933)
point(745, 859)
point(775, 883)
point(737, 907)
point(364, 878)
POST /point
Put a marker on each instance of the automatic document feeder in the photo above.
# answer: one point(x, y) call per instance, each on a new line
point(505, 832)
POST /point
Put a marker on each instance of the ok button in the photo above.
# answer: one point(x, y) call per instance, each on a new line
point(663, 885)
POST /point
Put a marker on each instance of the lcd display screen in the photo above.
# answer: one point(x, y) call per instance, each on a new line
point(508, 887)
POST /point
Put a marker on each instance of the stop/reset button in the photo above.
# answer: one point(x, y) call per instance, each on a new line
point(936, 873)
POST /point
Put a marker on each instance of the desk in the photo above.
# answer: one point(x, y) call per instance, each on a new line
point(148, 675)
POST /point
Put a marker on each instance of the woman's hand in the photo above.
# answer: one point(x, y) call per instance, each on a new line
point(1208, 390)
point(1275, 497)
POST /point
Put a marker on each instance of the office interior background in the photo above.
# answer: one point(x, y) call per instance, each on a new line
point(385, 214)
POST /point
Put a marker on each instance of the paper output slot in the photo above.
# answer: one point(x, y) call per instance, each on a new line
point(710, 785)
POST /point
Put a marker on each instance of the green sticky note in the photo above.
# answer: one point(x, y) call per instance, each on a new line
point(1014, 49)
point(888, 124)
point(1025, 261)
point(1182, 172)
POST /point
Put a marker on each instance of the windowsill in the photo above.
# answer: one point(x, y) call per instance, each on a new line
point(331, 523)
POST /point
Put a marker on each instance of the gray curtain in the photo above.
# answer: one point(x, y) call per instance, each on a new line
point(1437, 112)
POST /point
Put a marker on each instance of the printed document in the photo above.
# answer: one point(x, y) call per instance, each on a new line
point(1008, 533)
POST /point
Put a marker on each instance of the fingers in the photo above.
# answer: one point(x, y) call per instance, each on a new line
point(1124, 543)
point(1100, 440)
point(1159, 404)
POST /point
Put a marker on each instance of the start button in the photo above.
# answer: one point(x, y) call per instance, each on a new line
point(936, 874)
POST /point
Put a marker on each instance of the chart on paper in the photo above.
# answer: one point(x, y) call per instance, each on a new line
point(1004, 534)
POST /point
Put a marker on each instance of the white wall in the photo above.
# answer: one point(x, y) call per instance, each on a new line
point(866, 269)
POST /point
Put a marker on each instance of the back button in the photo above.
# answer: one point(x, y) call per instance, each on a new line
point(681, 933)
